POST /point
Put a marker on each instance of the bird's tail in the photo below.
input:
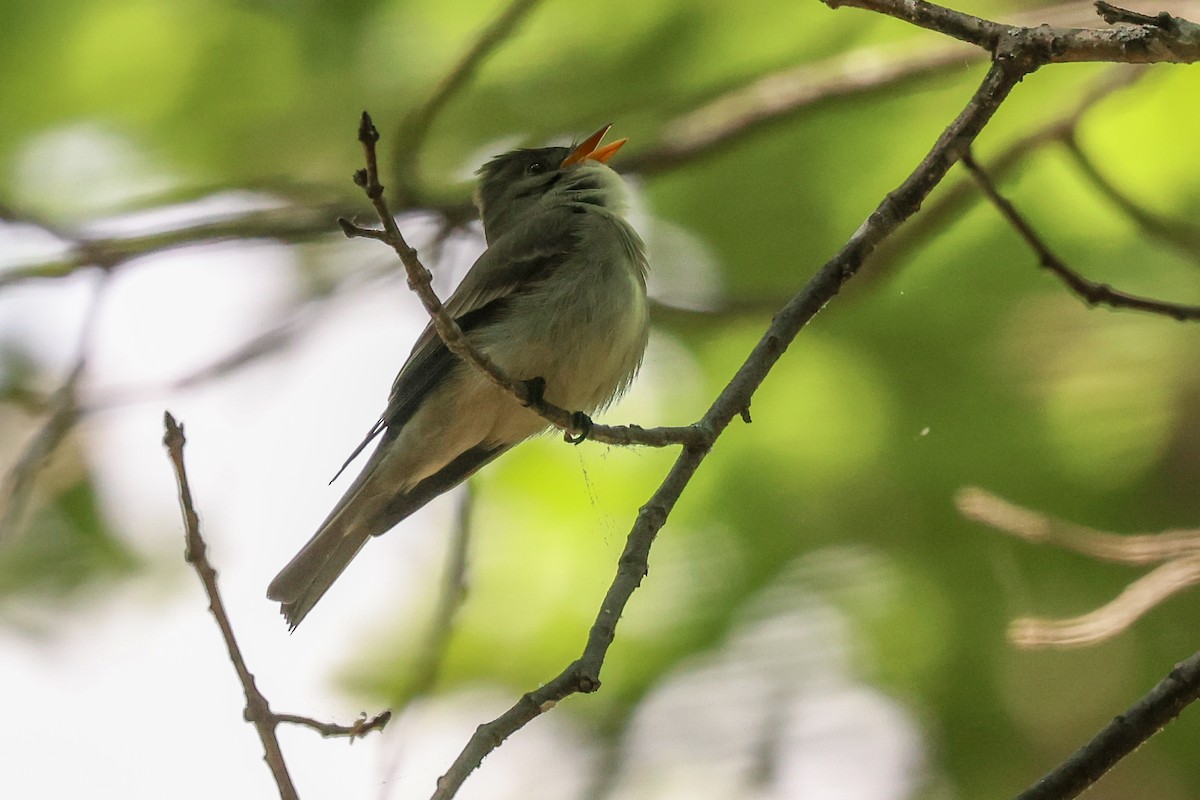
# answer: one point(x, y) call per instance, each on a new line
point(307, 577)
point(362, 512)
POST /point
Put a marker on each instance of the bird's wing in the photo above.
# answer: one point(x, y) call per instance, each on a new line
point(512, 264)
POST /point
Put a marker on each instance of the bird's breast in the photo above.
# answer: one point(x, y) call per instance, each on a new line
point(584, 328)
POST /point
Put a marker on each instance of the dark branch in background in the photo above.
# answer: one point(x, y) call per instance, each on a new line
point(1182, 237)
point(415, 127)
point(1091, 292)
point(1122, 736)
point(450, 600)
point(64, 411)
point(456, 341)
point(293, 223)
point(258, 711)
point(780, 96)
point(952, 203)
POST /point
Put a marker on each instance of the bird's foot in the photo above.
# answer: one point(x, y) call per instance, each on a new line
point(582, 423)
point(535, 389)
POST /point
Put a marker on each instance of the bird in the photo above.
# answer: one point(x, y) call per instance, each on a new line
point(558, 299)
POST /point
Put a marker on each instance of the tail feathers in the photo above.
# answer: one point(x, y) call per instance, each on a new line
point(307, 577)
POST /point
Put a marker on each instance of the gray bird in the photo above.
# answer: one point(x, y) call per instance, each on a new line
point(559, 295)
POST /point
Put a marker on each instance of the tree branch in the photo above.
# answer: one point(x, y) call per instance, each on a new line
point(1038, 528)
point(779, 96)
point(1122, 736)
point(328, 730)
point(1091, 292)
point(1182, 237)
point(1134, 602)
point(1175, 41)
point(258, 710)
point(64, 412)
point(293, 223)
point(954, 201)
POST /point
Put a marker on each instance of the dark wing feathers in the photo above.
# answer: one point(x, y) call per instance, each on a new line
point(481, 299)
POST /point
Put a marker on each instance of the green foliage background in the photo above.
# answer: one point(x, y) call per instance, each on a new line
point(954, 363)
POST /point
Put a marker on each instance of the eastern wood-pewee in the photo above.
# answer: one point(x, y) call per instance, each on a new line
point(559, 294)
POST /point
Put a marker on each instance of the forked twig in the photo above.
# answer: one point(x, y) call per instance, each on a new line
point(258, 711)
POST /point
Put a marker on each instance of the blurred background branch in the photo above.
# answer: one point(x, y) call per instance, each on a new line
point(1089, 291)
point(1177, 554)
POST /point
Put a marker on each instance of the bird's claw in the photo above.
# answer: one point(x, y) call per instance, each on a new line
point(582, 423)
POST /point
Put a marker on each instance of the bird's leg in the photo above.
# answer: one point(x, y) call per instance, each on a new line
point(535, 389)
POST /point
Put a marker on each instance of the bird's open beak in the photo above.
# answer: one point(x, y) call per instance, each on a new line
point(591, 149)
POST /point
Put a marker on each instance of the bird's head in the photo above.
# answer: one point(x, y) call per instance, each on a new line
point(516, 184)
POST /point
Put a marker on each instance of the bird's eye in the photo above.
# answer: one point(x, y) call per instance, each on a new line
point(536, 168)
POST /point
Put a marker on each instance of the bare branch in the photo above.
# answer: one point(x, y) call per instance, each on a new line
point(1122, 736)
point(956, 200)
point(290, 224)
point(1091, 292)
point(64, 412)
point(1174, 42)
point(358, 730)
point(1182, 237)
point(258, 711)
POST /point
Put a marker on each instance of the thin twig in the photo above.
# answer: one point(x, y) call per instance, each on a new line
point(291, 224)
point(64, 412)
point(1091, 292)
point(258, 711)
point(1122, 736)
point(359, 729)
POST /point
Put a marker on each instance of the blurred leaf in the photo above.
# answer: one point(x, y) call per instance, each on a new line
point(64, 549)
